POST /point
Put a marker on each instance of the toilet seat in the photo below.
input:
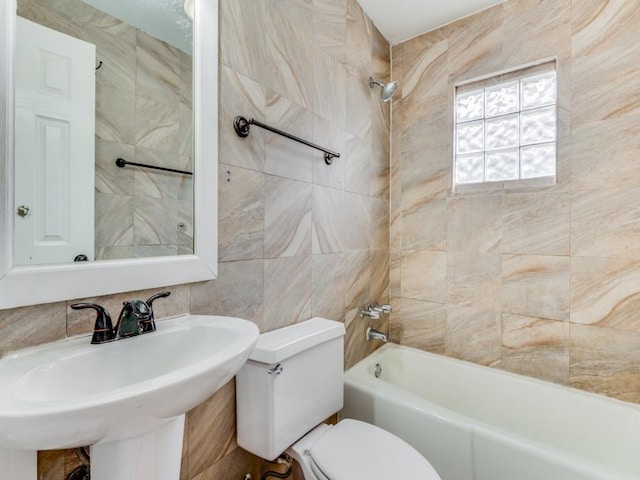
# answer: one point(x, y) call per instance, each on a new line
point(353, 449)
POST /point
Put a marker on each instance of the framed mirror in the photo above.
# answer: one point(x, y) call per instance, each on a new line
point(26, 282)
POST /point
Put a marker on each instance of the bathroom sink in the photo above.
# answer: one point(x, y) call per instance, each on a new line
point(71, 393)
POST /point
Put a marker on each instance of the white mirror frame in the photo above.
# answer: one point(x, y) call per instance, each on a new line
point(20, 286)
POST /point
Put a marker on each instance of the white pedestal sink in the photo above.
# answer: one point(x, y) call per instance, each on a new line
point(125, 398)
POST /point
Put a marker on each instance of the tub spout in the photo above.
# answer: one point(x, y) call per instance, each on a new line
point(376, 335)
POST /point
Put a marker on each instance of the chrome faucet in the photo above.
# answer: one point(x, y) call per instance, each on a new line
point(136, 317)
point(370, 312)
point(376, 335)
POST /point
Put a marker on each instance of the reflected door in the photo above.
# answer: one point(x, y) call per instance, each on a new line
point(54, 157)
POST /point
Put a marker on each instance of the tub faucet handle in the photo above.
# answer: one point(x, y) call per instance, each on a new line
point(383, 308)
point(370, 312)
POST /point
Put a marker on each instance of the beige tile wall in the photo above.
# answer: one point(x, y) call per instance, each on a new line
point(542, 282)
point(296, 238)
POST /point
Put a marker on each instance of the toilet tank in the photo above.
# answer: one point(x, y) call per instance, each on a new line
point(291, 383)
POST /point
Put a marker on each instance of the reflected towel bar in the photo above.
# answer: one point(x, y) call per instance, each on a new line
point(121, 162)
point(242, 126)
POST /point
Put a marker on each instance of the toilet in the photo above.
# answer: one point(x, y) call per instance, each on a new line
point(291, 383)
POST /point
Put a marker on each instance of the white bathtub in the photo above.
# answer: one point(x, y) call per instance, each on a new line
point(478, 423)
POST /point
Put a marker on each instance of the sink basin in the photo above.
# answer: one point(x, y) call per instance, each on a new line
point(71, 393)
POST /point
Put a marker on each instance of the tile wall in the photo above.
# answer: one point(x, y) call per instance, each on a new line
point(141, 79)
point(543, 282)
point(296, 238)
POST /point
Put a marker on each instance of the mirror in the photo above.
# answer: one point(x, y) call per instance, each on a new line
point(25, 284)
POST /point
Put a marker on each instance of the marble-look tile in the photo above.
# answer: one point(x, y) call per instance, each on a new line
point(186, 78)
point(328, 96)
point(357, 226)
point(427, 128)
point(536, 347)
point(473, 334)
point(420, 325)
point(358, 41)
point(330, 28)
point(283, 156)
point(536, 30)
point(474, 224)
point(241, 210)
point(536, 223)
point(287, 217)
point(425, 226)
point(380, 55)
point(115, 115)
point(473, 279)
point(237, 464)
point(212, 430)
point(114, 253)
point(237, 292)
point(157, 125)
point(358, 165)
point(289, 50)
point(114, 220)
point(144, 251)
point(604, 86)
point(424, 275)
point(395, 273)
point(425, 71)
point(242, 45)
point(380, 119)
point(536, 286)
point(185, 130)
point(331, 137)
point(329, 284)
point(604, 292)
point(329, 220)
point(359, 98)
point(357, 271)
point(246, 98)
point(108, 177)
point(600, 26)
point(475, 44)
point(605, 361)
point(356, 346)
point(379, 276)
point(379, 225)
point(287, 291)
point(29, 326)
point(154, 183)
point(605, 223)
point(425, 174)
point(155, 221)
point(158, 69)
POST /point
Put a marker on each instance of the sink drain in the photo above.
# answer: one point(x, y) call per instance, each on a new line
point(378, 371)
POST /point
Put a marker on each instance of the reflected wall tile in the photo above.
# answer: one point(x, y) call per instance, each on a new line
point(537, 223)
point(473, 279)
point(605, 292)
point(473, 334)
point(287, 291)
point(287, 217)
point(536, 286)
point(185, 133)
point(212, 430)
point(155, 221)
point(598, 26)
point(114, 220)
point(29, 326)
point(155, 184)
point(237, 292)
point(424, 275)
point(474, 224)
point(143, 251)
point(108, 177)
point(284, 157)
point(536, 347)
point(329, 136)
point(329, 284)
point(247, 98)
point(158, 69)
point(157, 125)
point(242, 45)
point(420, 325)
point(241, 214)
point(605, 223)
point(605, 361)
point(115, 115)
point(115, 43)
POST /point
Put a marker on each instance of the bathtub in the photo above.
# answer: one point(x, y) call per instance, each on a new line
point(478, 423)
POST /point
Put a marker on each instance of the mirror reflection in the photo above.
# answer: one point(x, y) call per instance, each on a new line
point(98, 80)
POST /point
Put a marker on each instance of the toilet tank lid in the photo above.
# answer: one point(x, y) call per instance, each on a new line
point(278, 345)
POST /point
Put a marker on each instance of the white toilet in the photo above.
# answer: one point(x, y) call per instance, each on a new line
point(291, 383)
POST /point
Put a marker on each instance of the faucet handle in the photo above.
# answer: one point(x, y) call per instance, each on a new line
point(383, 308)
point(103, 328)
point(149, 324)
point(370, 312)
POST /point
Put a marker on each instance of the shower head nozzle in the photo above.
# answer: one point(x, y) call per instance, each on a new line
point(387, 89)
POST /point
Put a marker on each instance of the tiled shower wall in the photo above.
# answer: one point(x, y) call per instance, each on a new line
point(296, 238)
point(544, 282)
point(143, 114)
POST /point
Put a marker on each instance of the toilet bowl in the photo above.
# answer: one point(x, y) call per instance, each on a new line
point(291, 383)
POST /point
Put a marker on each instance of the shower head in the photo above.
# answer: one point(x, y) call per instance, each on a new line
point(388, 89)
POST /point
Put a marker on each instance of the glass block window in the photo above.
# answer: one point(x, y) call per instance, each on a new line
point(506, 127)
